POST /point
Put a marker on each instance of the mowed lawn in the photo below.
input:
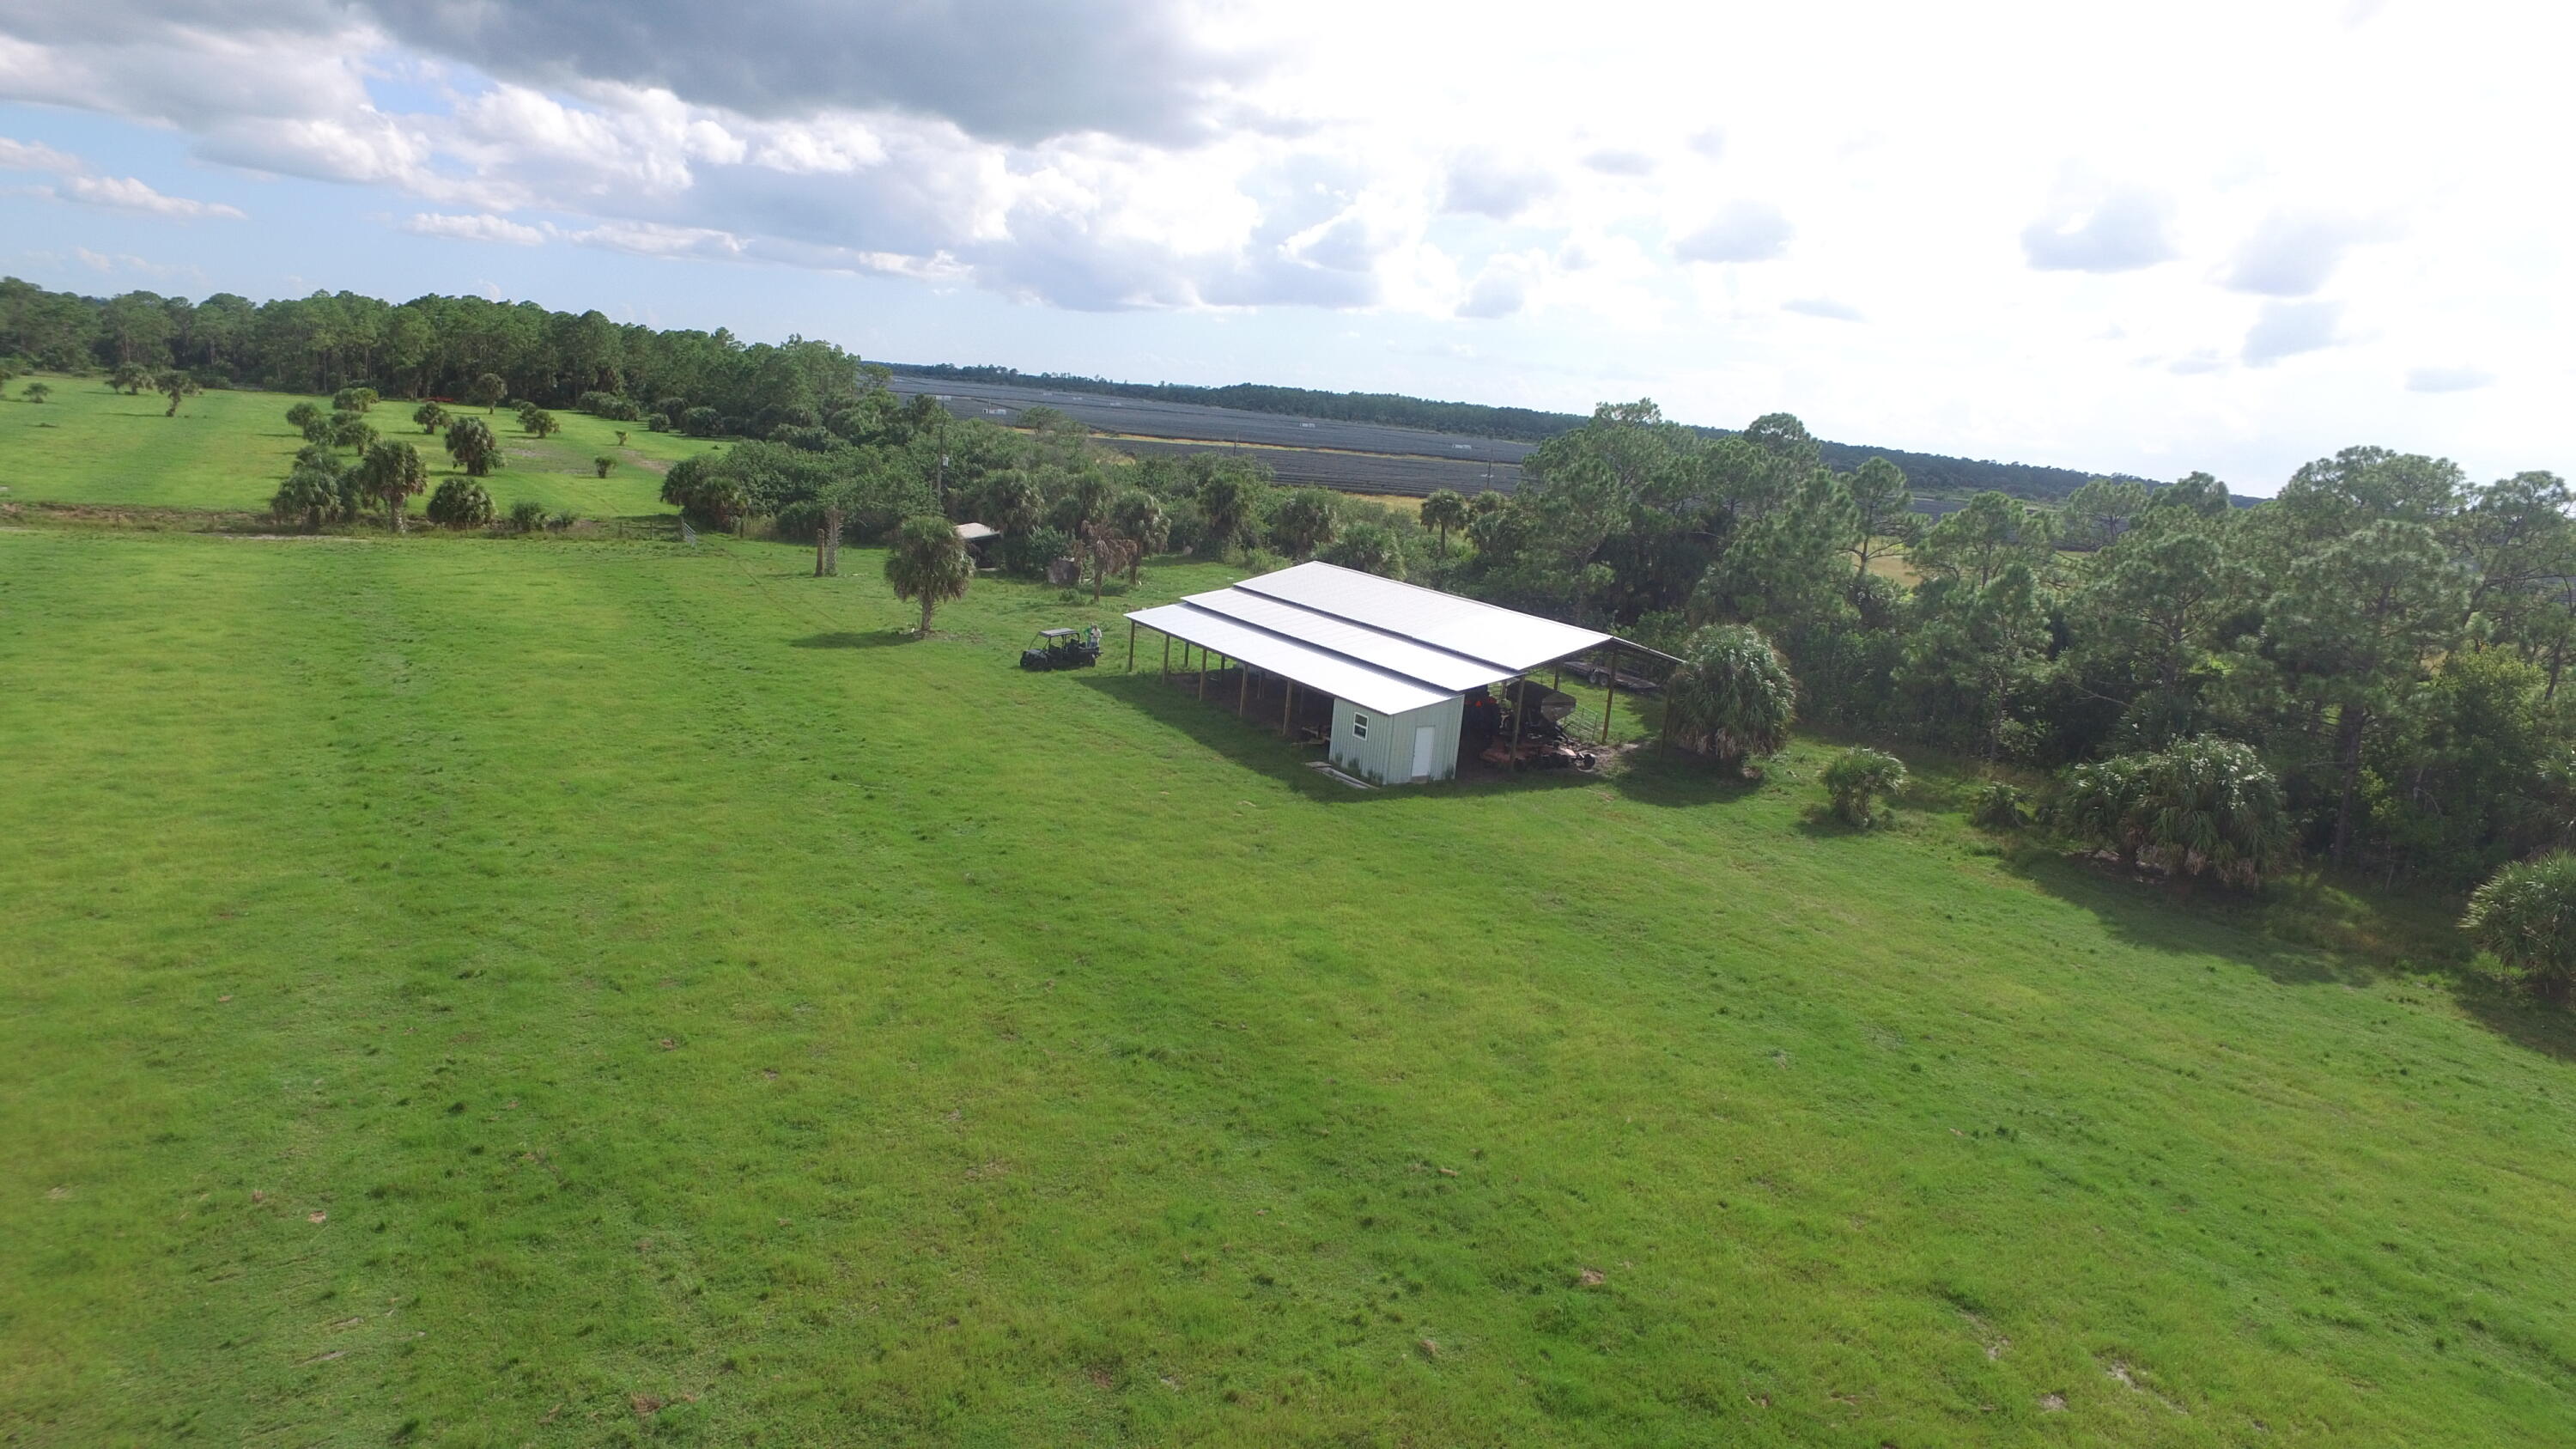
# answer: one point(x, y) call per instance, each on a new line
point(89, 444)
point(474, 991)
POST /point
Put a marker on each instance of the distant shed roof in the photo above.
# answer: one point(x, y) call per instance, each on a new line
point(1382, 645)
point(976, 532)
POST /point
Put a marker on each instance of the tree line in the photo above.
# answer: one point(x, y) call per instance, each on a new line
point(1929, 472)
point(706, 383)
point(456, 348)
point(2370, 667)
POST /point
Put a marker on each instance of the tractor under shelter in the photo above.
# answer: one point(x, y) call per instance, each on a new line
point(1402, 684)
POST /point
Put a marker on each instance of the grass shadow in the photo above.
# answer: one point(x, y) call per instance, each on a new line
point(853, 639)
point(2302, 931)
point(1258, 747)
point(1217, 729)
point(1676, 779)
point(2548, 1028)
point(1819, 822)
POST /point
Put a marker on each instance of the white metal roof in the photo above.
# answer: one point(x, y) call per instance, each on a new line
point(1339, 675)
point(1508, 639)
point(1382, 645)
point(1439, 667)
point(977, 532)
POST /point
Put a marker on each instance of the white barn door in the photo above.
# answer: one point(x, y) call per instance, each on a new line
point(1425, 738)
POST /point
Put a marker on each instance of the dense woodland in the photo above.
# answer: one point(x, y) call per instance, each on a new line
point(443, 347)
point(2374, 662)
point(2370, 668)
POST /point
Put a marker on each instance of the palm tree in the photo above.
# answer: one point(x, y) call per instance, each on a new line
point(1305, 521)
point(129, 378)
point(1442, 511)
point(2526, 916)
point(1226, 502)
point(1139, 516)
point(1857, 778)
point(176, 385)
point(2099, 806)
point(834, 505)
point(1108, 552)
point(391, 473)
point(430, 416)
point(1085, 498)
point(2204, 806)
point(1731, 699)
point(471, 444)
point(2209, 805)
point(928, 562)
point(1012, 502)
point(460, 503)
point(1370, 547)
point(309, 493)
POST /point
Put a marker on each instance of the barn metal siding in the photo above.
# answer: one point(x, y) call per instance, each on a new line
point(1385, 757)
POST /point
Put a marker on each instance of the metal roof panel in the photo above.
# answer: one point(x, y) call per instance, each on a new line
point(1366, 685)
point(1511, 640)
point(1398, 655)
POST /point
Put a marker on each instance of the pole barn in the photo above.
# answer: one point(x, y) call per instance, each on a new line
point(1400, 683)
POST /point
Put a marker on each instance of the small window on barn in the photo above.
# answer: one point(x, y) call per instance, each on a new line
point(1359, 726)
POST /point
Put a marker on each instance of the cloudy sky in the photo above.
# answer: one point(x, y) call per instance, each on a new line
point(2142, 238)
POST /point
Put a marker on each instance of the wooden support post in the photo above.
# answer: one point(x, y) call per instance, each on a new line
point(1242, 691)
point(1520, 709)
point(1131, 646)
point(1288, 710)
point(1610, 699)
point(1203, 661)
point(1167, 656)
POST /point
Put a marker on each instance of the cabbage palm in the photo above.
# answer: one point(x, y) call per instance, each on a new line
point(929, 563)
point(2526, 916)
point(1442, 511)
point(2210, 806)
point(308, 493)
point(391, 473)
point(1731, 699)
point(1857, 778)
point(1139, 515)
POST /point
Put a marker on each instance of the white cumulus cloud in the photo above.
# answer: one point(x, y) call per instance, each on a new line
point(1741, 231)
point(480, 226)
point(127, 194)
point(35, 156)
point(2286, 329)
point(2448, 379)
point(2119, 230)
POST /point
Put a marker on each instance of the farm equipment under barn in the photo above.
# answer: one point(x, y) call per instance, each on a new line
point(1527, 726)
point(1062, 649)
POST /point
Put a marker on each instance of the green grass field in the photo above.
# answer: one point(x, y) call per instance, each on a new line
point(88, 444)
point(532, 991)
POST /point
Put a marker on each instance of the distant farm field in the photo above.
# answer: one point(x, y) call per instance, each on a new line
point(1363, 458)
point(508, 991)
point(227, 449)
